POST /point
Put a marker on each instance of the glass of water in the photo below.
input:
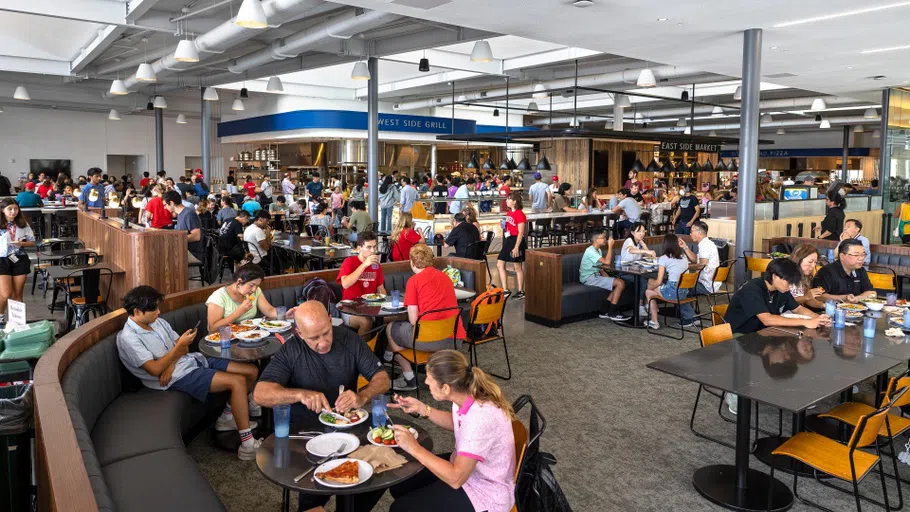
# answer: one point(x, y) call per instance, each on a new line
point(281, 312)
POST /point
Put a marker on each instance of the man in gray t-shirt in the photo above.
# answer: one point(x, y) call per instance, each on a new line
point(629, 208)
point(540, 195)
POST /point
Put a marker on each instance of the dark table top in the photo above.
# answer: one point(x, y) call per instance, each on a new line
point(361, 307)
point(632, 268)
point(244, 352)
point(297, 242)
point(60, 254)
point(850, 339)
point(280, 460)
point(60, 272)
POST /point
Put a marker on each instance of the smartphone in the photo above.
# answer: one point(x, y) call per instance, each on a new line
point(195, 327)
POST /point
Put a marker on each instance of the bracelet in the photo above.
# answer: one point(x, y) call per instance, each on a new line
point(427, 415)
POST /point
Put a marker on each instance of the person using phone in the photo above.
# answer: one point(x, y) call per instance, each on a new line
point(160, 358)
point(15, 234)
point(360, 275)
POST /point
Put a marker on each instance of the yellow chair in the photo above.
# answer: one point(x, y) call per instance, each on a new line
point(361, 381)
point(721, 275)
point(883, 278)
point(520, 433)
point(428, 331)
point(710, 336)
point(844, 462)
point(687, 281)
point(756, 263)
point(489, 311)
point(718, 313)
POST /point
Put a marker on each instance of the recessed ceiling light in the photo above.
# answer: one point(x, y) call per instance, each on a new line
point(850, 67)
point(773, 47)
point(583, 3)
point(662, 19)
point(841, 14)
point(889, 49)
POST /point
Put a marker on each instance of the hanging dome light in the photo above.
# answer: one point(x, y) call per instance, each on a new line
point(738, 93)
point(708, 167)
point(533, 106)
point(424, 65)
point(687, 130)
point(360, 71)
point(1, 110)
point(210, 94)
point(181, 119)
point(543, 164)
point(870, 113)
point(159, 102)
point(114, 115)
point(482, 52)
point(718, 111)
point(251, 15)
point(653, 166)
point(237, 105)
point(488, 165)
point(765, 119)
point(623, 101)
point(118, 88)
point(646, 78)
point(472, 163)
point(825, 124)
point(721, 166)
point(681, 123)
point(876, 134)
point(695, 167)
point(540, 92)
point(638, 166)
point(712, 133)
point(858, 129)
point(21, 94)
point(818, 104)
point(244, 93)
point(145, 73)
point(683, 166)
point(524, 165)
point(507, 164)
point(668, 166)
point(781, 131)
point(733, 167)
point(186, 51)
point(495, 112)
point(274, 85)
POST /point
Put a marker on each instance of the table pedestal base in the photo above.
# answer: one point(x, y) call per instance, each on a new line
point(827, 427)
point(765, 445)
point(718, 484)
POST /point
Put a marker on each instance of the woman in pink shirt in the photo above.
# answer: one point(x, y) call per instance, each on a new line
point(479, 476)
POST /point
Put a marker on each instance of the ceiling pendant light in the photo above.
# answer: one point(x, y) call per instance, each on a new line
point(482, 52)
point(360, 71)
point(533, 106)
point(21, 94)
point(488, 165)
point(870, 113)
point(544, 165)
point(424, 65)
point(244, 93)
point(721, 166)
point(818, 118)
point(668, 166)
point(274, 85)
point(638, 166)
point(622, 101)
point(738, 93)
point(472, 163)
point(818, 104)
point(495, 112)
point(159, 102)
point(210, 94)
point(717, 111)
point(118, 88)
point(687, 130)
point(1, 110)
point(149, 106)
point(540, 92)
point(765, 119)
point(695, 167)
point(508, 164)
point(524, 165)
point(145, 73)
point(114, 115)
point(825, 124)
point(708, 167)
point(681, 123)
point(186, 51)
point(652, 166)
point(712, 133)
point(237, 105)
point(781, 131)
point(732, 167)
point(876, 134)
point(646, 78)
point(858, 129)
point(251, 15)
point(181, 119)
point(683, 166)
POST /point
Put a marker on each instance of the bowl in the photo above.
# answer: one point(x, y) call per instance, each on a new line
point(874, 306)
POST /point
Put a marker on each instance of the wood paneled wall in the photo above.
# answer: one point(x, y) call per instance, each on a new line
point(571, 159)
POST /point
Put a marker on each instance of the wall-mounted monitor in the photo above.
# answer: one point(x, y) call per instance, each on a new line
point(50, 167)
point(795, 193)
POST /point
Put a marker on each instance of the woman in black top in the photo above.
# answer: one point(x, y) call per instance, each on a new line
point(833, 223)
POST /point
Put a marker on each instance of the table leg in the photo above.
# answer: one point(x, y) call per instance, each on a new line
point(764, 446)
point(344, 503)
point(285, 500)
point(739, 487)
point(636, 318)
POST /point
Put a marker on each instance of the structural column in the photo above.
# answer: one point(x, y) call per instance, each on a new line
point(846, 153)
point(748, 146)
point(206, 139)
point(159, 140)
point(373, 137)
point(617, 118)
point(433, 161)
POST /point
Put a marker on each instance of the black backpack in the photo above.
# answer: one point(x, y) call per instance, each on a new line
point(537, 489)
point(319, 290)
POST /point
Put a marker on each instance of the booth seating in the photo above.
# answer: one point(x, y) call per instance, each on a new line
point(105, 442)
point(895, 257)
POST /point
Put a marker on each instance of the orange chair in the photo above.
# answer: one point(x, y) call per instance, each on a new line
point(756, 261)
point(710, 336)
point(488, 312)
point(883, 278)
point(428, 331)
point(686, 282)
point(361, 381)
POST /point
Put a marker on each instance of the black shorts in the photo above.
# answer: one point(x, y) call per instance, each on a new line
point(22, 267)
point(505, 254)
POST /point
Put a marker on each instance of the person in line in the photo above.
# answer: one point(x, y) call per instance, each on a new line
point(539, 194)
point(306, 373)
point(183, 187)
point(554, 185)
point(359, 222)
point(408, 195)
point(144, 182)
point(629, 209)
point(505, 188)
point(250, 187)
point(833, 224)
point(461, 237)
point(439, 207)
point(404, 237)
point(463, 193)
point(427, 290)
point(388, 196)
point(314, 188)
point(241, 300)
point(688, 212)
point(514, 244)
point(15, 266)
point(28, 198)
point(633, 180)
point(480, 473)
point(227, 211)
point(258, 238)
point(188, 221)
point(806, 257)
point(561, 202)
point(591, 274)
point(484, 187)
point(672, 263)
point(230, 237)
point(709, 258)
point(873, 188)
point(852, 230)
point(359, 275)
point(288, 188)
point(337, 199)
point(845, 279)
point(95, 200)
point(160, 358)
point(251, 205)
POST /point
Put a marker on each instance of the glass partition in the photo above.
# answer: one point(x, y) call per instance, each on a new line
point(764, 211)
point(808, 208)
point(857, 204)
point(895, 147)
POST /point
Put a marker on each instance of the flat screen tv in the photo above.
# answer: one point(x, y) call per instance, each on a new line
point(50, 167)
point(795, 193)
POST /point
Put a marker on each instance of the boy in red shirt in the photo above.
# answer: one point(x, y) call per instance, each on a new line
point(428, 289)
point(361, 275)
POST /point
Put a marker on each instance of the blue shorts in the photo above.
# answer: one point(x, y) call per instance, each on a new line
point(198, 382)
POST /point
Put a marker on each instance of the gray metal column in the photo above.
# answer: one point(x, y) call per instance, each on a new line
point(748, 146)
point(433, 161)
point(617, 118)
point(884, 164)
point(159, 140)
point(845, 154)
point(373, 137)
point(206, 138)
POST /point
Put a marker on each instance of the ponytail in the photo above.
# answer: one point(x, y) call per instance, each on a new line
point(484, 389)
point(451, 367)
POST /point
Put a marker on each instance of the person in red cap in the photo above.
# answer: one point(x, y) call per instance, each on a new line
point(28, 198)
point(554, 187)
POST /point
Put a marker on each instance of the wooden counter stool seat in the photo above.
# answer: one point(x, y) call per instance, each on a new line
point(428, 331)
point(686, 282)
point(539, 232)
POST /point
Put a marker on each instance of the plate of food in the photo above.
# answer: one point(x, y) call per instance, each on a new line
point(275, 325)
point(851, 307)
point(213, 338)
point(893, 309)
point(348, 301)
point(385, 436)
point(327, 444)
point(902, 303)
point(854, 315)
point(373, 297)
point(896, 320)
point(239, 328)
point(776, 255)
point(341, 473)
point(351, 418)
point(874, 304)
point(251, 322)
point(252, 335)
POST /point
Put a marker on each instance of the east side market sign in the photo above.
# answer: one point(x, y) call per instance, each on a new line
point(690, 146)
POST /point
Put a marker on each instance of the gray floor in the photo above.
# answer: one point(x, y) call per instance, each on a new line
point(619, 430)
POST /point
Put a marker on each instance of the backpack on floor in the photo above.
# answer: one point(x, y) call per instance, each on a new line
point(493, 295)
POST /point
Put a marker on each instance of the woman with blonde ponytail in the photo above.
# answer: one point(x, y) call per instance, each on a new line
point(479, 475)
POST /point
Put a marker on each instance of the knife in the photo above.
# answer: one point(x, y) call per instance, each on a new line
point(336, 415)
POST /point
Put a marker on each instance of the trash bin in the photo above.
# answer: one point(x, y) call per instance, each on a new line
point(723, 248)
point(16, 447)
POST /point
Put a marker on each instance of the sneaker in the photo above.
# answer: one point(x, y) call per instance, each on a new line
point(693, 323)
point(244, 453)
point(653, 325)
point(401, 384)
point(518, 296)
point(642, 311)
point(225, 424)
point(616, 317)
point(855, 390)
point(731, 403)
point(255, 409)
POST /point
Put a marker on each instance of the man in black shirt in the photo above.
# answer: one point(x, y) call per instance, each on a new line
point(230, 236)
point(462, 236)
point(688, 212)
point(441, 207)
point(761, 301)
point(846, 279)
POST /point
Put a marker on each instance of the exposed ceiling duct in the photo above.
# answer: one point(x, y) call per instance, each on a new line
point(789, 123)
point(626, 77)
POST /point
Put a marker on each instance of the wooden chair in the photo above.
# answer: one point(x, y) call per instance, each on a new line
point(756, 262)
point(718, 313)
point(520, 433)
point(488, 311)
point(428, 331)
point(361, 381)
point(883, 278)
point(844, 462)
point(686, 282)
point(710, 336)
point(721, 276)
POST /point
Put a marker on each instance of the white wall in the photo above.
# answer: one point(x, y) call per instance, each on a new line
point(87, 138)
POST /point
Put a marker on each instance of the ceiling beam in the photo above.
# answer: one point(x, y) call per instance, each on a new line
point(421, 81)
point(137, 8)
point(93, 50)
point(548, 57)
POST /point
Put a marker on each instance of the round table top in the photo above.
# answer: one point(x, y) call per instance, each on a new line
point(280, 460)
point(360, 307)
point(242, 352)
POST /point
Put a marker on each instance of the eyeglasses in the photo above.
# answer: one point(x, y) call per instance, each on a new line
point(858, 255)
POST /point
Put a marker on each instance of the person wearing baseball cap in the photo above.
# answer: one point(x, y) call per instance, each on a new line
point(554, 186)
point(28, 198)
point(539, 194)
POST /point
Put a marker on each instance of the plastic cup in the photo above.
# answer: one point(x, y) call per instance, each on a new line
point(830, 255)
point(840, 318)
point(396, 297)
point(281, 414)
point(379, 410)
point(830, 308)
point(891, 299)
point(224, 334)
point(869, 327)
point(281, 312)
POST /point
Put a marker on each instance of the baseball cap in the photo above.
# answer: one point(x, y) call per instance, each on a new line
point(555, 178)
point(29, 186)
point(537, 176)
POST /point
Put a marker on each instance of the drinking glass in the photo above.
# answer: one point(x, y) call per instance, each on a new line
point(830, 255)
point(830, 308)
point(281, 414)
point(396, 296)
point(224, 334)
point(379, 409)
point(891, 299)
point(869, 327)
point(281, 312)
point(840, 318)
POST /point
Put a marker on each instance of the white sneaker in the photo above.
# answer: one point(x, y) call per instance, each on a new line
point(616, 317)
point(402, 384)
point(653, 325)
point(855, 390)
point(642, 311)
point(255, 409)
point(244, 453)
point(731, 403)
point(225, 424)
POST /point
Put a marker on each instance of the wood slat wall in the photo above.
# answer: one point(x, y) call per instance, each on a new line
point(618, 175)
point(571, 160)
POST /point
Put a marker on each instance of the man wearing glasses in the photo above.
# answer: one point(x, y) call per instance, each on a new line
point(846, 279)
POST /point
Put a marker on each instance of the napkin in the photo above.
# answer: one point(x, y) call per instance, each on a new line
point(382, 458)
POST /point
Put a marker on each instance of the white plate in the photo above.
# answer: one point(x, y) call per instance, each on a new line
point(363, 417)
point(370, 438)
point(254, 322)
point(379, 297)
point(251, 335)
point(366, 471)
point(795, 315)
point(388, 306)
point(326, 444)
point(285, 325)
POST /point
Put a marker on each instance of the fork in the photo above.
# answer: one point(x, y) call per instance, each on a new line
point(340, 449)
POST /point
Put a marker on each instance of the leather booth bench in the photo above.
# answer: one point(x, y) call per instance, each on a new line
point(105, 442)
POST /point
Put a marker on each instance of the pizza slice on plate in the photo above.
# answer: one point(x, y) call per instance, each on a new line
point(347, 472)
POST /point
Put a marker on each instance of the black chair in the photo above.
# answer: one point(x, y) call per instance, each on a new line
point(85, 293)
point(65, 225)
point(256, 252)
point(540, 232)
point(40, 268)
point(72, 261)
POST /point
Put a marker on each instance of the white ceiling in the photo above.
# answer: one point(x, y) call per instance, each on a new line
point(40, 37)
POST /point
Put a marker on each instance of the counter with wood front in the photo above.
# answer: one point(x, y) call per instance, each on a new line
point(154, 257)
